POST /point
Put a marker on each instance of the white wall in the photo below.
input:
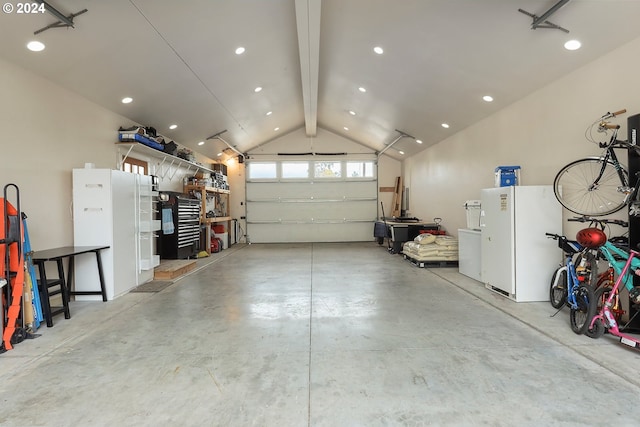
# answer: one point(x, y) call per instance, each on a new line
point(46, 132)
point(541, 133)
point(297, 141)
point(237, 207)
point(388, 170)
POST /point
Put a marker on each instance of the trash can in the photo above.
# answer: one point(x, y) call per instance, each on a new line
point(473, 214)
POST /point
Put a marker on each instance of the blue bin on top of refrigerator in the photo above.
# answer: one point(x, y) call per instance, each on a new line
point(507, 176)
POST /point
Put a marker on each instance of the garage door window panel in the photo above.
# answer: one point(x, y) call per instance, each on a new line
point(327, 169)
point(295, 170)
point(262, 171)
point(362, 170)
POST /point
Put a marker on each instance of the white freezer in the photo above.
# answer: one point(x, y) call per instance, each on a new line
point(517, 258)
point(469, 250)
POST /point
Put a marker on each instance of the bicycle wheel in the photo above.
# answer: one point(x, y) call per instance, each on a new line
point(599, 297)
point(575, 190)
point(583, 311)
point(558, 289)
point(597, 330)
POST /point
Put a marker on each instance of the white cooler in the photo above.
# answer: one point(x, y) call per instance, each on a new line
point(469, 255)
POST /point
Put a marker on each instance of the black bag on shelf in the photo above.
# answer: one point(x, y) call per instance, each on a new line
point(151, 131)
point(170, 148)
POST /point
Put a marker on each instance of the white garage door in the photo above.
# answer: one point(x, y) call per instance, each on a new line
point(319, 200)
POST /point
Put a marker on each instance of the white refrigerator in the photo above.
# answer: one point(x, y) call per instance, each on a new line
point(517, 259)
point(114, 208)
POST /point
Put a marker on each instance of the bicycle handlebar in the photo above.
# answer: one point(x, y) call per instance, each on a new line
point(614, 114)
point(609, 126)
point(569, 247)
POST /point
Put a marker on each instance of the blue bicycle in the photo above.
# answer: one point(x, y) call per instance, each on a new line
point(571, 283)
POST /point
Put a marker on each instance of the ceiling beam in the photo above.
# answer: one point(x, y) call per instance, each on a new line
point(308, 23)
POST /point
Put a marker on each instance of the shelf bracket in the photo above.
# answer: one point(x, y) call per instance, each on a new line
point(122, 159)
point(174, 170)
point(164, 169)
point(159, 168)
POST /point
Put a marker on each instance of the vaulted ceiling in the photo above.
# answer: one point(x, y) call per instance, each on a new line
point(178, 61)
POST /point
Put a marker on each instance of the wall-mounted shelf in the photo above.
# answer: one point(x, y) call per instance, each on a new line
point(203, 192)
point(313, 200)
point(168, 164)
point(216, 219)
point(207, 189)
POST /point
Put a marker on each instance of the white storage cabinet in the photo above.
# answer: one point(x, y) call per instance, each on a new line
point(114, 208)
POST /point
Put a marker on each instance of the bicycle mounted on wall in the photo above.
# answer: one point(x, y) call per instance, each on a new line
point(598, 186)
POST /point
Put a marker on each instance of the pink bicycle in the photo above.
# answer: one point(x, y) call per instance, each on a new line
point(605, 319)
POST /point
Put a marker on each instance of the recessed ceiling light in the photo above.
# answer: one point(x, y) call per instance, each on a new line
point(345, 128)
point(172, 127)
point(201, 143)
point(127, 100)
point(419, 141)
point(258, 89)
point(487, 98)
point(361, 89)
point(401, 152)
point(353, 113)
point(240, 50)
point(445, 125)
point(35, 46)
point(219, 154)
point(378, 50)
point(269, 113)
point(276, 129)
point(572, 45)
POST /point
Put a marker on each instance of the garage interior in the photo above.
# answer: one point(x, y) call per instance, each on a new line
point(316, 111)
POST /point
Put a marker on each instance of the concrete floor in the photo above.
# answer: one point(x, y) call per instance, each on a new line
point(317, 335)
